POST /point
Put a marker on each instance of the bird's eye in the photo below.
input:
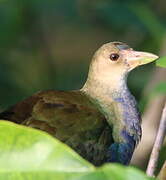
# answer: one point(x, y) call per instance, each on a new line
point(114, 57)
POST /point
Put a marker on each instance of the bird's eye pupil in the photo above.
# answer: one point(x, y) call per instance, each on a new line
point(114, 57)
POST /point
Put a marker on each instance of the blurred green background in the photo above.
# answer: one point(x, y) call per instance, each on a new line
point(48, 44)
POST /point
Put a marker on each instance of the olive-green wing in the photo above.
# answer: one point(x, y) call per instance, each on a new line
point(69, 116)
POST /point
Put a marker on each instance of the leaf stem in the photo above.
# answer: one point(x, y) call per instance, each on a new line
point(157, 145)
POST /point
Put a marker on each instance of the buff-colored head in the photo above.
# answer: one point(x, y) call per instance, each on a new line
point(114, 60)
point(120, 55)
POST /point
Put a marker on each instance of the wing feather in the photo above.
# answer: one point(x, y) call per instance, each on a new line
point(69, 116)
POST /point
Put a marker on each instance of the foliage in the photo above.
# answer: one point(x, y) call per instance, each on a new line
point(161, 62)
point(31, 154)
point(48, 45)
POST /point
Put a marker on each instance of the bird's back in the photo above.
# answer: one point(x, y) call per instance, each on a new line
point(69, 116)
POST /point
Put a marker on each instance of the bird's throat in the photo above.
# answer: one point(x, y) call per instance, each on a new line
point(118, 105)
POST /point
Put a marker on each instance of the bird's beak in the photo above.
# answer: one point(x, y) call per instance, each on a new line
point(137, 58)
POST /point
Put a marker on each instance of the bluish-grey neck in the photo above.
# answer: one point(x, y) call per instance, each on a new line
point(130, 114)
point(115, 101)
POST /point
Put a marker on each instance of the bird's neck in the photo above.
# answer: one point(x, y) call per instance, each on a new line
point(115, 101)
point(106, 88)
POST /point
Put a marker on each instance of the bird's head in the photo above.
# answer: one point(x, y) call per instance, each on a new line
point(117, 58)
point(118, 55)
point(114, 60)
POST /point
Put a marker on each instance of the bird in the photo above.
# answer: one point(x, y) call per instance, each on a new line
point(100, 121)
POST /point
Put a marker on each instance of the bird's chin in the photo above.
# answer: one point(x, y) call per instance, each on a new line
point(132, 65)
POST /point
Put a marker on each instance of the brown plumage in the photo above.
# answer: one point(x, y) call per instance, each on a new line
point(69, 116)
point(99, 121)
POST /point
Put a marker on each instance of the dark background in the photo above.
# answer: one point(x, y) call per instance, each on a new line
point(48, 44)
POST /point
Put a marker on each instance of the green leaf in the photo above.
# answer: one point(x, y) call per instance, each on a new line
point(161, 62)
point(30, 154)
point(115, 172)
point(27, 153)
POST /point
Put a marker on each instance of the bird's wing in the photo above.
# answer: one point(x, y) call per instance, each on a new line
point(59, 109)
point(69, 116)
